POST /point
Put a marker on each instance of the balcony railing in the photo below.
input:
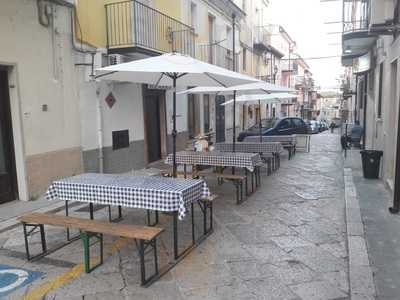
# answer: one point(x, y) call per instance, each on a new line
point(217, 55)
point(355, 15)
point(131, 24)
point(262, 38)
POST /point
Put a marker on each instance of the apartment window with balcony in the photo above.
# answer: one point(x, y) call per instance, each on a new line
point(379, 110)
point(193, 17)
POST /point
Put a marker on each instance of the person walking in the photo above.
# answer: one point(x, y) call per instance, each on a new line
point(332, 126)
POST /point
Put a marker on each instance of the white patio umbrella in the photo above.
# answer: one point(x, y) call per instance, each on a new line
point(244, 89)
point(173, 69)
point(274, 97)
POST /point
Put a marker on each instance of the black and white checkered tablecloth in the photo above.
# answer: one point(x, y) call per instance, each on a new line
point(264, 148)
point(217, 159)
point(284, 139)
point(146, 192)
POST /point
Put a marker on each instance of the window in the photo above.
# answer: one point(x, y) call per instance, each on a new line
point(297, 123)
point(244, 58)
point(206, 107)
point(379, 113)
point(229, 37)
point(193, 16)
point(284, 124)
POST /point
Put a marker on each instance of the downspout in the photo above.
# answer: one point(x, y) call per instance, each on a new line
point(365, 108)
point(99, 118)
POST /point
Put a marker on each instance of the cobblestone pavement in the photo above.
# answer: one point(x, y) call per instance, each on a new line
point(287, 241)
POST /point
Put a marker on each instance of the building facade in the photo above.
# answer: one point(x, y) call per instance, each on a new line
point(371, 50)
point(58, 121)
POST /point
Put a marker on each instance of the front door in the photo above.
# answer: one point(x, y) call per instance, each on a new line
point(8, 185)
point(153, 132)
point(220, 119)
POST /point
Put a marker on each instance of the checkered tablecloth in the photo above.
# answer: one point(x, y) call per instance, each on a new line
point(146, 192)
point(284, 139)
point(264, 148)
point(217, 159)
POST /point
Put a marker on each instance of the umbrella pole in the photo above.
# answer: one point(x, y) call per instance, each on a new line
point(234, 122)
point(174, 128)
point(259, 119)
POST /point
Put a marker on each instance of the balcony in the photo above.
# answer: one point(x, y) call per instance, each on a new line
point(135, 27)
point(302, 82)
point(356, 38)
point(217, 55)
point(262, 39)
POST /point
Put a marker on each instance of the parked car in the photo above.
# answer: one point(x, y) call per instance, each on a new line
point(324, 126)
point(284, 126)
point(314, 126)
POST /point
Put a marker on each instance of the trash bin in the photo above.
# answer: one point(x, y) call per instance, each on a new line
point(371, 160)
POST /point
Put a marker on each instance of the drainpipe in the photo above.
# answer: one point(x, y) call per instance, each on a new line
point(99, 116)
point(365, 108)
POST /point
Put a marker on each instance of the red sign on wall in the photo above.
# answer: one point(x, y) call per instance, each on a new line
point(110, 100)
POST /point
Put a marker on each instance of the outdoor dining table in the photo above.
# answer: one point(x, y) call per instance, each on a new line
point(288, 141)
point(265, 149)
point(154, 193)
point(247, 161)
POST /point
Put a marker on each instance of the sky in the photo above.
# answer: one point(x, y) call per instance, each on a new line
point(305, 20)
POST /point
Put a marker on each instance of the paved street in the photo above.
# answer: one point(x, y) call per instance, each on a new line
point(287, 241)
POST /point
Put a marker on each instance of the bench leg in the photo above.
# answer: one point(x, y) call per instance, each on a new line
point(42, 239)
point(142, 245)
point(85, 236)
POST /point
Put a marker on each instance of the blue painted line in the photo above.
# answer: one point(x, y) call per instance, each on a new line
point(13, 278)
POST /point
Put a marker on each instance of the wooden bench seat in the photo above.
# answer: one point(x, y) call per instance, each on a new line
point(235, 178)
point(144, 236)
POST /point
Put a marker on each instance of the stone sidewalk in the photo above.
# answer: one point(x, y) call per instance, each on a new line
point(381, 230)
point(287, 241)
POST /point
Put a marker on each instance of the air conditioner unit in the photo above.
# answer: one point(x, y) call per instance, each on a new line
point(115, 59)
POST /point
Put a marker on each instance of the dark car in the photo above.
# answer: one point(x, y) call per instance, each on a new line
point(285, 126)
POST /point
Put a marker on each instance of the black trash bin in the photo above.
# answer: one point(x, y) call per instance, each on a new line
point(371, 160)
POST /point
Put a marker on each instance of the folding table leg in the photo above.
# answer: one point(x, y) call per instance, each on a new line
point(175, 232)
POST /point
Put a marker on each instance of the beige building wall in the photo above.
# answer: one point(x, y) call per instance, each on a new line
point(44, 95)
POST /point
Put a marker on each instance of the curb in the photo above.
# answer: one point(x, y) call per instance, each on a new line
point(361, 277)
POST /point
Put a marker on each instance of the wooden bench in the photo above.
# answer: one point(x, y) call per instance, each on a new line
point(144, 236)
point(236, 179)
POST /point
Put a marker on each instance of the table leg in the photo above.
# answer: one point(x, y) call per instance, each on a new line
point(175, 232)
point(192, 212)
point(246, 181)
point(91, 211)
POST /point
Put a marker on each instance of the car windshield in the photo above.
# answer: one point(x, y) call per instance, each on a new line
point(265, 123)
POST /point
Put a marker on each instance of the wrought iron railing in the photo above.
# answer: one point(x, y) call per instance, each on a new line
point(217, 55)
point(134, 24)
point(355, 15)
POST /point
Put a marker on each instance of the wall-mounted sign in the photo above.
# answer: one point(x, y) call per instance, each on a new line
point(362, 64)
point(110, 100)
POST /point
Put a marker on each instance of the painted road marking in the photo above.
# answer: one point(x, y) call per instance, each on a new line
point(52, 284)
point(12, 278)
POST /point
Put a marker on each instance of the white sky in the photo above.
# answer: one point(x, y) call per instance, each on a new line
point(304, 21)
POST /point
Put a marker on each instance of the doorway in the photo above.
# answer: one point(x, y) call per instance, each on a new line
point(8, 177)
point(220, 119)
point(155, 125)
